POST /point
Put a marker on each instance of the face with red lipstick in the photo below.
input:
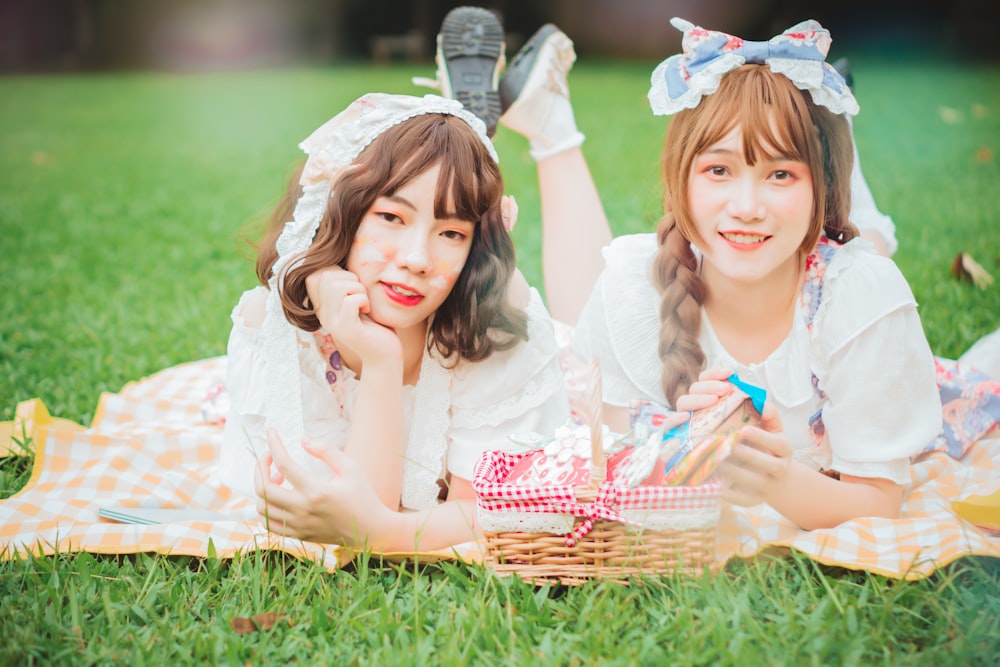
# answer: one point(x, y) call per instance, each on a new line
point(749, 219)
point(407, 258)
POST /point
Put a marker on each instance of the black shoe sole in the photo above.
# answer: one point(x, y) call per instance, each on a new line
point(472, 40)
point(513, 80)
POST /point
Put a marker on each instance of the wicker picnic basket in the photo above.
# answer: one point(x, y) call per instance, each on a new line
point(551, 533)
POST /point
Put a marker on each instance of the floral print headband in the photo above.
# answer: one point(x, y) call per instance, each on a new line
point(799, 54)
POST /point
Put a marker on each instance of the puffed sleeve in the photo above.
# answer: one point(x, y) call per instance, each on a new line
point(520, 390)
point(875, 366)
point(244, 437)
point(619, 325)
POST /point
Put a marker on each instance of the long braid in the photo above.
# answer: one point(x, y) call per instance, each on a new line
point(682, 292)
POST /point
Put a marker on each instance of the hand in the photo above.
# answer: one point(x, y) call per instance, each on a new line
point(508, 211)
point(712, 385)
point(343, 510)
point(759, 463)
point(342, 306)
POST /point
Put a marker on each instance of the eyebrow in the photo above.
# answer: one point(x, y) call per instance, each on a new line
point(400, 200)
point(781, 157)
point(406, 202)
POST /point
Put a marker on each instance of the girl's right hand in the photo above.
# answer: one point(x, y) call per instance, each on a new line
point(341, 305)
point(711, 386)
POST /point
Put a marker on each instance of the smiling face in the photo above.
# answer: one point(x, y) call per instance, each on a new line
point(749, 220)
point(407, 258)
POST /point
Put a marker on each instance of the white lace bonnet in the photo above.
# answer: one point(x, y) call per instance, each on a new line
point(331, 149)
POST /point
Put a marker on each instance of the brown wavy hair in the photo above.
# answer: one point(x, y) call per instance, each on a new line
point(476, 318)
point(775, 118)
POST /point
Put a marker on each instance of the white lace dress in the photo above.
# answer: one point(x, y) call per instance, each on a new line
point(451, 416)
point(863, 363)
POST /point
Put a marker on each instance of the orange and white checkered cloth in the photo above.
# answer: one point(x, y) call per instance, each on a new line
point(150, 446)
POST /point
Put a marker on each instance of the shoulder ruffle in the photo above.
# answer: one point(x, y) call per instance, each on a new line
point(859, 288)
point(511, 382)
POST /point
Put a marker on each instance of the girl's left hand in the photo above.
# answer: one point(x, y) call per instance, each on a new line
point(342, 510)
point(759, 464)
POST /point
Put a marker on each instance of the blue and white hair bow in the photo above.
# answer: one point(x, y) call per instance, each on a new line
point(799, 54)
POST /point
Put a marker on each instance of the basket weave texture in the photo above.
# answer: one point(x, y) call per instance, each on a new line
point(612, 532)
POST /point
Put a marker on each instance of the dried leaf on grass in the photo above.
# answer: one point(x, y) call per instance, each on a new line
point(965, 268)
point(984, 155)
point(950, 116)
point(259, 623)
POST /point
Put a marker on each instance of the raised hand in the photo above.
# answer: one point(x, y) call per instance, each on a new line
point(342, 307)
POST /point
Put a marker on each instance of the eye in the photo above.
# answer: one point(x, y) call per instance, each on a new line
point(454, 235)
point(389, 217)
point(782, 175)
point(717, 170)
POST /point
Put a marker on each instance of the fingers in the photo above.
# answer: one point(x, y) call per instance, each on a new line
point(508, 210)
point(741, 486)
point(716, 373)
point(293, 472)
point(276, 519)
point(338, 462)
point(712, 385)
point(675, 419)
point(769, 419)
point(691, 402)
point(770, 443)
point(336, 294)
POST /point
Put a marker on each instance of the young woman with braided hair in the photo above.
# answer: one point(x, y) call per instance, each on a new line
point(756, 268)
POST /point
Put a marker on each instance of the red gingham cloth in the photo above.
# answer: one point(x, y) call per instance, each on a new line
point(494, 495)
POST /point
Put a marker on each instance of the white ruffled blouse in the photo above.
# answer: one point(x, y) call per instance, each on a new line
point(874, 371)
point(451, 416)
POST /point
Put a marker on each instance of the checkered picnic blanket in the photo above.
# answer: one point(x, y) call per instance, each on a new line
point(150, 445)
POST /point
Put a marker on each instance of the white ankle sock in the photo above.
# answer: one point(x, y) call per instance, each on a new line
point(541, 149)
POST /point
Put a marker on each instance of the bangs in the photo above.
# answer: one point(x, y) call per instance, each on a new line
point(469, 182)
point(775, 121)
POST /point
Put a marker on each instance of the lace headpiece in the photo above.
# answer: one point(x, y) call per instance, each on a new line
point(799, 54)
point(331, 150)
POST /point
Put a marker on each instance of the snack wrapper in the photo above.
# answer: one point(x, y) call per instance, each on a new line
point(686, 455)
point(689, 454)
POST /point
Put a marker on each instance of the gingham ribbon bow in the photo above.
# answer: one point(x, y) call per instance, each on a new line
point(605, 506)
point(799, 53)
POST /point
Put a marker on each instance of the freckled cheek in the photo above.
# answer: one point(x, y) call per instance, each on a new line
point(369, 250)
point(445, 273)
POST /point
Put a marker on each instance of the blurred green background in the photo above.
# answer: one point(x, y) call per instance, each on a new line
point(128, 193)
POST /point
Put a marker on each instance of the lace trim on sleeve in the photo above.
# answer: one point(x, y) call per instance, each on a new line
point(428, 440)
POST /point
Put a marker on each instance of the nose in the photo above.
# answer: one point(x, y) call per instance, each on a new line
point(414, 252)
point(745, 200)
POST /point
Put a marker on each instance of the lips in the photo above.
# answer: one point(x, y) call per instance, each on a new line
point(402, 294)
point(744, 240)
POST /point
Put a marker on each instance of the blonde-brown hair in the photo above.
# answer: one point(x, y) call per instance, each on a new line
point(476, 318)
point(775, 118)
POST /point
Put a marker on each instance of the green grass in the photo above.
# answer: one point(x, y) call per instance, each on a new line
point(124, 200)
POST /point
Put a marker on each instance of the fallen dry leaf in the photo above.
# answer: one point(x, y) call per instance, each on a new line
point(984, 155)
point(259, 623)
point(949, 115)
point(965, 268)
